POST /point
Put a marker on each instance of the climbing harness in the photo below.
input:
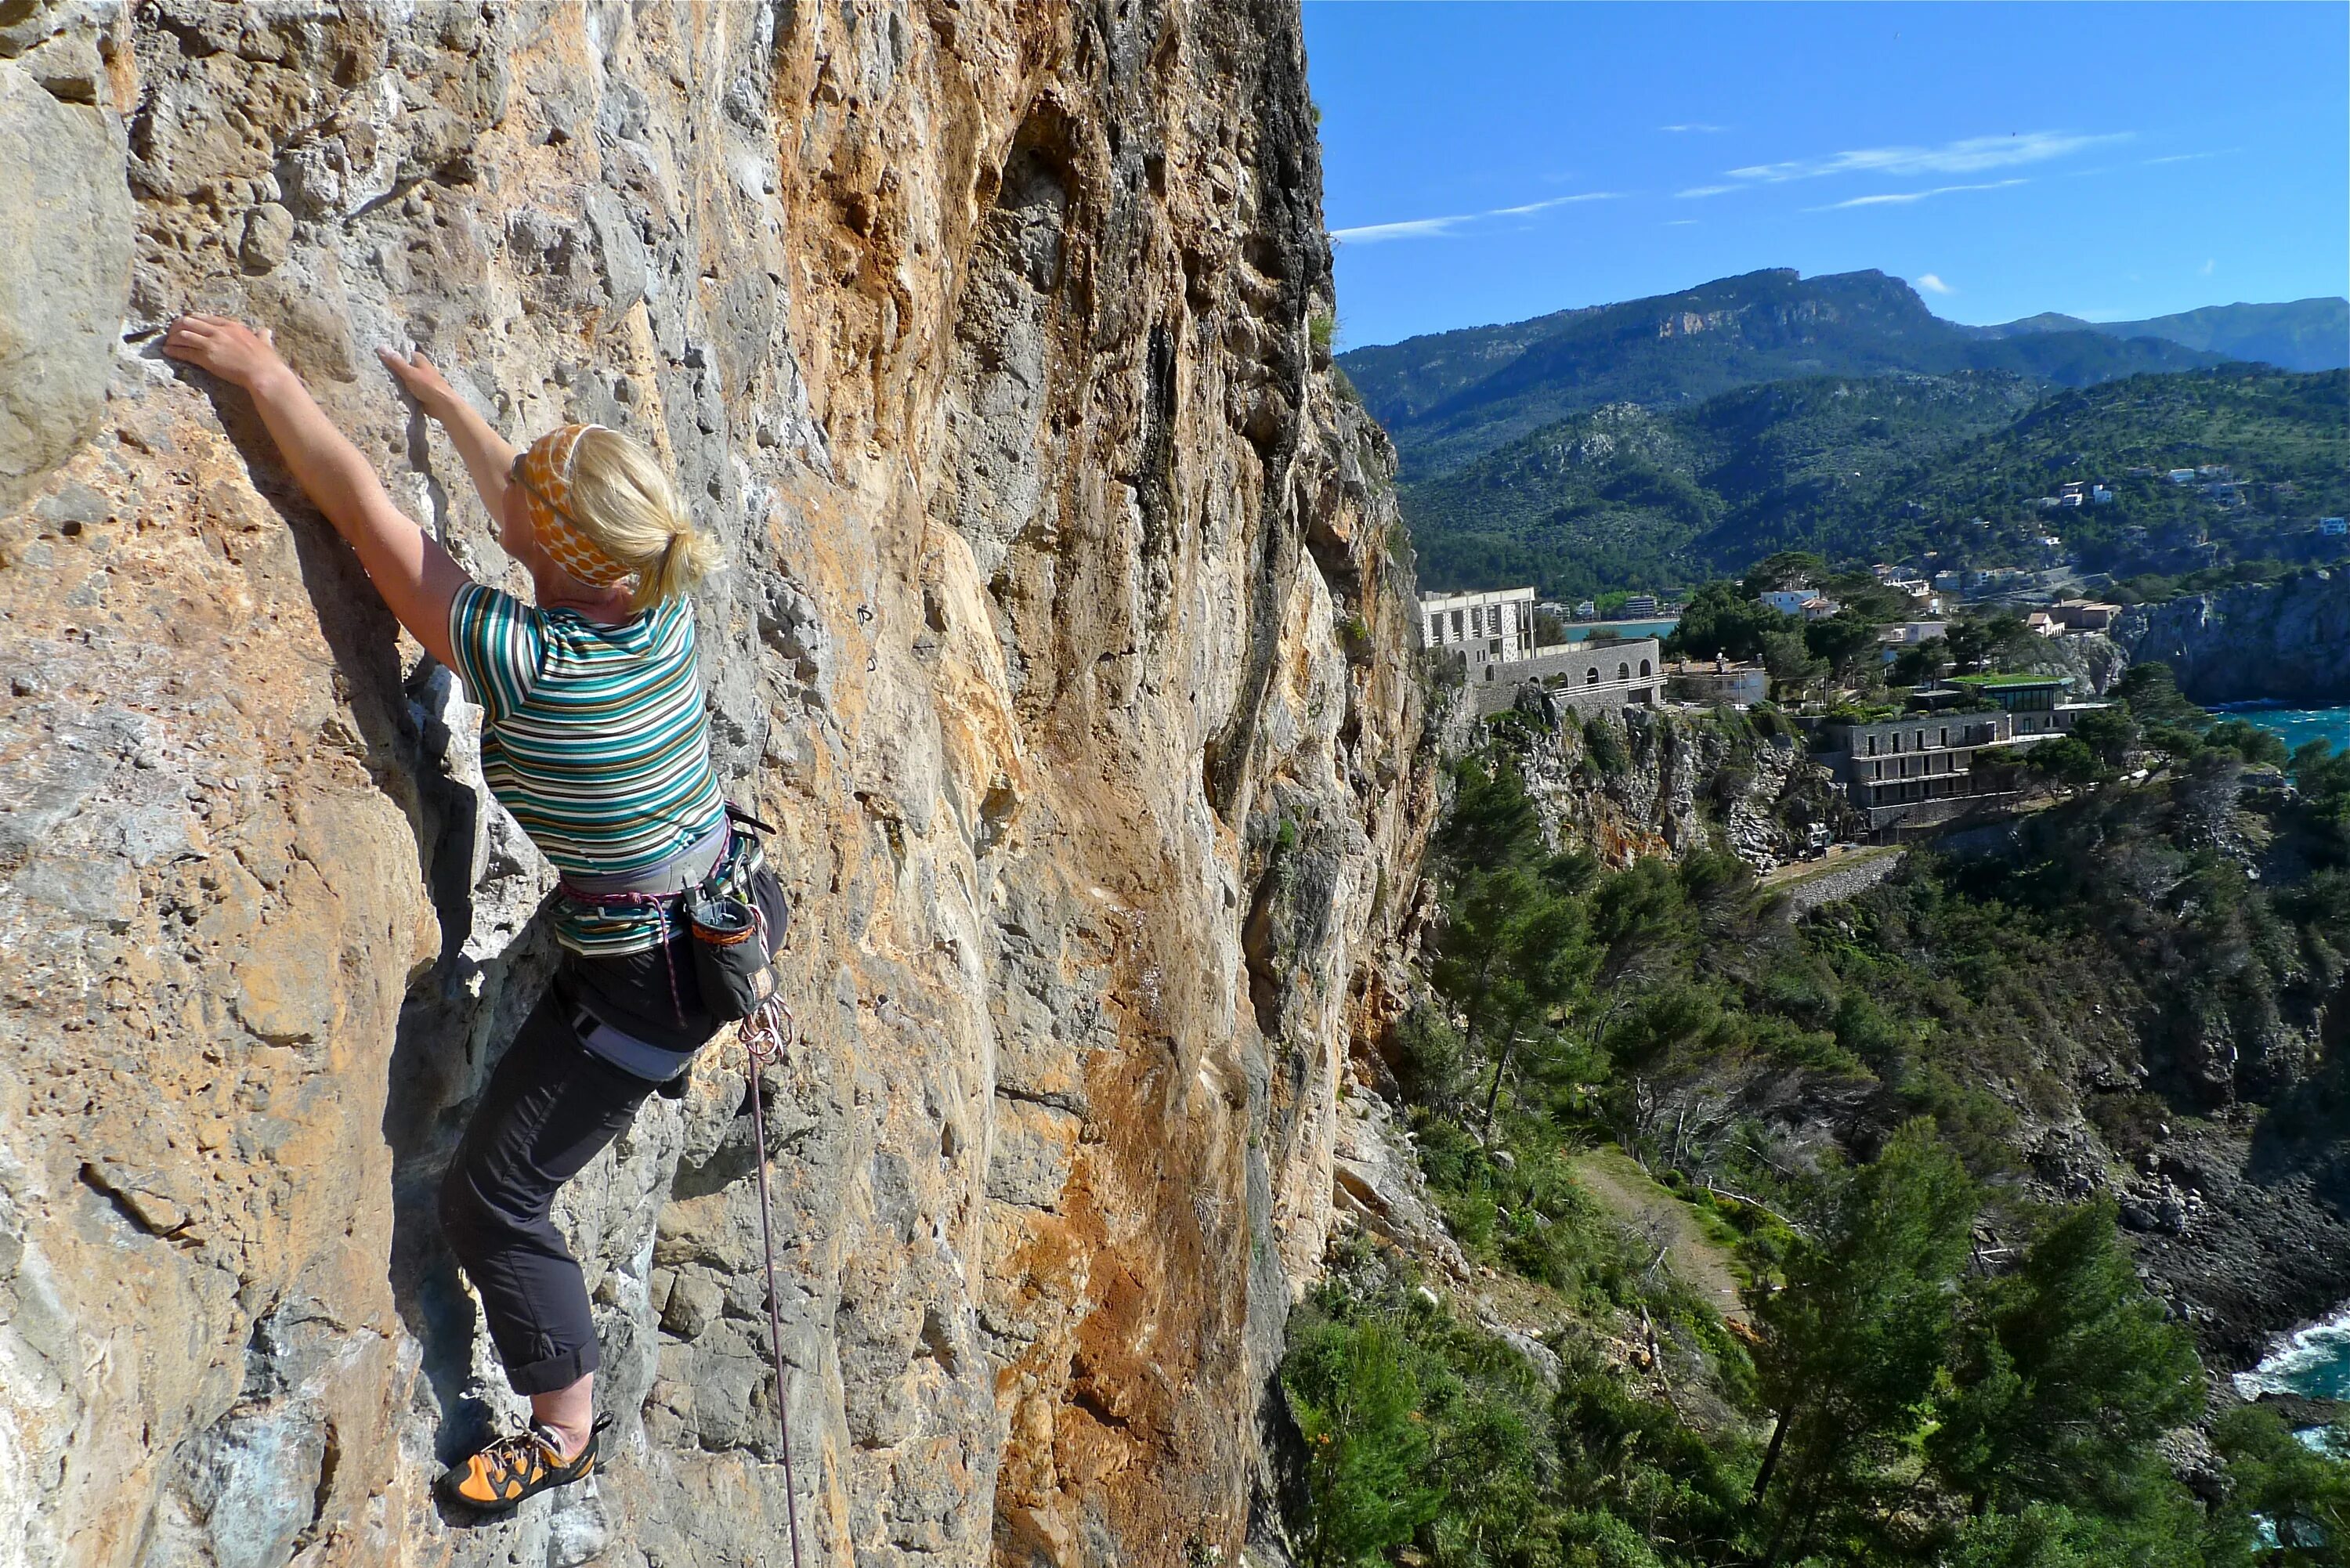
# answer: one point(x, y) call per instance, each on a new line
point(764, 1035)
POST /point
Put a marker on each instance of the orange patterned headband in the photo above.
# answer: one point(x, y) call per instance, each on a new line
point(544, 471)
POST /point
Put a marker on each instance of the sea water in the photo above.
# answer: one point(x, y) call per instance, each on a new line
point(2299, 726)
point(1628, 630)
point(2314, 1363)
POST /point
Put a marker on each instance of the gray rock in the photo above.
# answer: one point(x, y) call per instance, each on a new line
point(65, 227)
point(619, 249)
point(2286, 642)
point(268, 237)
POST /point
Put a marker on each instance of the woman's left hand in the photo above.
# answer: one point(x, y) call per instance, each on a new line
point(225, 347)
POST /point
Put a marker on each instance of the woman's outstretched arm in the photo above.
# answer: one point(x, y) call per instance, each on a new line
point(488, 457)
point(416, 576)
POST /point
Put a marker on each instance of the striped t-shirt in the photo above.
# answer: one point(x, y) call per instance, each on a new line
point(595, 738)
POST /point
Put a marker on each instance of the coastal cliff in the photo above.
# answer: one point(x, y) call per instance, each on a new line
point(2283, 642)
point(1064, 644)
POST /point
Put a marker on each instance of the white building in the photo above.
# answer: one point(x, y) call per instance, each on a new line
point(1496, 627)
point(1909, 633)
point(1791, 601)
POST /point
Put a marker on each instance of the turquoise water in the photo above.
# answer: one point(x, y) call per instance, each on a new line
point(1630, 630)
point(2315, 1363)
point(2299, 726)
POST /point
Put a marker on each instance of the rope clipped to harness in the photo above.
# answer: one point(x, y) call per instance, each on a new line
point(764, 1035)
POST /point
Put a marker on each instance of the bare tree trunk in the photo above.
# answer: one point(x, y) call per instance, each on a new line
point(1770, 1460)
point(1493, 1090)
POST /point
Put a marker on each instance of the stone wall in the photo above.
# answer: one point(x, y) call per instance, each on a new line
point(1061, 643)
point(1565, 674)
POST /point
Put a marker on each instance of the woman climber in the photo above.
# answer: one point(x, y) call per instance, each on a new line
point(593, 737)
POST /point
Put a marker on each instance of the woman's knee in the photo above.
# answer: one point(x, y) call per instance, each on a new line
point(466, 1221)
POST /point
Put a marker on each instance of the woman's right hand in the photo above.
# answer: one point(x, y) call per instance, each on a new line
point(425, 384)
point(225, 347)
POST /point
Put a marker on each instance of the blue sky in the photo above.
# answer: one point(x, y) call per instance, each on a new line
point(1489, 162)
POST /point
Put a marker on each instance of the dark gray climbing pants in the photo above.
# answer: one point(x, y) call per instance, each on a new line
point(548, 1109)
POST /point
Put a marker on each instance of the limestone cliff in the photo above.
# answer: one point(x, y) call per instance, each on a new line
point(2286, 642)
point(1062, 644)
point(1651, 782)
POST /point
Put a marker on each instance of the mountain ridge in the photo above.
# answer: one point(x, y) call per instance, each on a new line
point(1450, 397)
point(2312, 334)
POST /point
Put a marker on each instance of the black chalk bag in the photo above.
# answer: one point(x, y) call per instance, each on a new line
point(729, 953)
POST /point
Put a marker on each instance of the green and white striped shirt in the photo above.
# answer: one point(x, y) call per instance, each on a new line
point(595, 738)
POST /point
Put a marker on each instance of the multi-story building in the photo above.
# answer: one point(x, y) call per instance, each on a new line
point(2033, 703)
point(1922, 769)
point(1953, 755)
point(1496, 627)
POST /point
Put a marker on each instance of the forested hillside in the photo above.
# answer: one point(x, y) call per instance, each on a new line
point(1449, 396)
point(1886, 467)
point(1828, 1239)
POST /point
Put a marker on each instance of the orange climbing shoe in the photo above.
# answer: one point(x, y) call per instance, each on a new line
point(501, 1473)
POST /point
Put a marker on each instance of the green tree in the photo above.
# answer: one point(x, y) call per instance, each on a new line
point(1355, 1402)
point(1786, 569)
point(2153, 695)
point(1492, 823)
point(2065, 761)
point(1854, 1344)
point(2170, 1534)
point(2247, 741)
point(2109, 732)
point(1922, 662)
point(1969, 646)
point(2301, 1495)
point(1845, 642)
point(2067, 1371)
point(1720, 618)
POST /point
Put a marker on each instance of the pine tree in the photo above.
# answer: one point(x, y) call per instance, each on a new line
point(1854, 1344)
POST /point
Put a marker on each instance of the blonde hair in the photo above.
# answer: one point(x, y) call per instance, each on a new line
point(622, 500)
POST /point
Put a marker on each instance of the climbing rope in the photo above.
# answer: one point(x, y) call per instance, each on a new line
point(764, 1035)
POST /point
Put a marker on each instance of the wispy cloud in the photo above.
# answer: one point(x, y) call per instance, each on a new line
point(2187, 157)
point(1932, 285)
point(2208, 265)
point(1432, 228)
point(1412, 229)
point(1679, 222)
point(1553, 202)
point(1970, 156)
point(1705, 191)
point(1902, 198)
point(1693, 128)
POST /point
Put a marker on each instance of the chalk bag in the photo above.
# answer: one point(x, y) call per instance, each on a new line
point(730, 954)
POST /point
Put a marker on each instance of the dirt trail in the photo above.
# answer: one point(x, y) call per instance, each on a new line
point(1630, 1194)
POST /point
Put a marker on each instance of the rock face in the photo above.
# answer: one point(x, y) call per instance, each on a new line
point(64, 225)
point(1062, 645)
point(2286, 642)
point(1642, 781)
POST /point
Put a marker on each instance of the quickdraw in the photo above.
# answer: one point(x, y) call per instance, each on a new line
point(764, 1035)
